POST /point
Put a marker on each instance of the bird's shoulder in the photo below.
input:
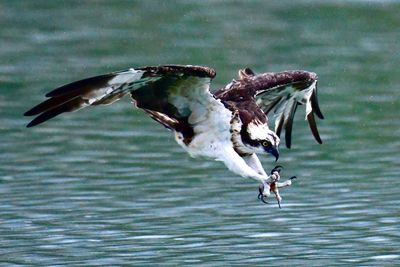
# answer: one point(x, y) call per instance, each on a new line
point(238, 97)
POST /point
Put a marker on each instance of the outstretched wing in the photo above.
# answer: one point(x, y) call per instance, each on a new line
point(281, 93)
point(162, 91)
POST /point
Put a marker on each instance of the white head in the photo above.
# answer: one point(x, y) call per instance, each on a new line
point(263, 139)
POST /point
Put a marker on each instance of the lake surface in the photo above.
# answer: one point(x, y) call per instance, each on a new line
point(107, 186)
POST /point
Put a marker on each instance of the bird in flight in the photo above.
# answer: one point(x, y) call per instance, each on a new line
point(229, 125)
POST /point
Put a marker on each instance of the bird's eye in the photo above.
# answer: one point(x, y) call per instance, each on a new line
point(265, 143)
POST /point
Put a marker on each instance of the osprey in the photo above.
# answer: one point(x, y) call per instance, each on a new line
point(229, 125)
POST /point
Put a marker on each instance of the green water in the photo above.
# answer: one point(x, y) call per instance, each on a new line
point(107, 186)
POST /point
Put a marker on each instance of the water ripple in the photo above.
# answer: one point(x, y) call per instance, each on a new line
point(109, 187)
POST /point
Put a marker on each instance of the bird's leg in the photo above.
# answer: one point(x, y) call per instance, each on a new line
point(286, 183)
point(273, 186)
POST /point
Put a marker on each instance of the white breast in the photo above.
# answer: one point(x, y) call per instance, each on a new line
point(211, 128)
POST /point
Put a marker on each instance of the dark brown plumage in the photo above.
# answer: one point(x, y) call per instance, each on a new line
point(270, 88)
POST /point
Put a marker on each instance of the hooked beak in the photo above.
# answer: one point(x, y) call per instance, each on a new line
point(274, 152)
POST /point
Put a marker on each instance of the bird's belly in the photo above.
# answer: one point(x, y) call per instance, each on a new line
point(211, 131)
point(202, 145)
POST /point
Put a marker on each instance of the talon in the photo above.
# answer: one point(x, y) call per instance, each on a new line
point(273, 186)
point(278, 198)
point(260, 191)
point(261, 195)
point(275, 177)
point(279, 204)
point(262, 198)
point(277, 168)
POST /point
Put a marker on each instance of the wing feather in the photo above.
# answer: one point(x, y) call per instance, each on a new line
point(150, 87)
point(279, 124)
point(82, 86)
point(48, 104)
point(68, 106)
point(313, 127)
point(315, 105)
point(289, 125)
point(281, 93)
